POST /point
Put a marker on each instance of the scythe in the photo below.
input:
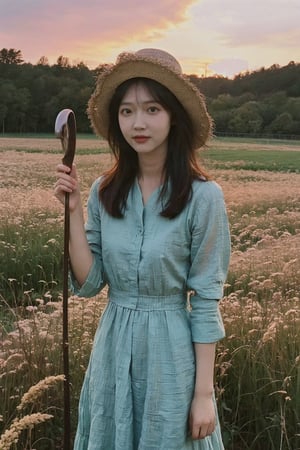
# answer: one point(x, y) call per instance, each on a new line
point(65, 130)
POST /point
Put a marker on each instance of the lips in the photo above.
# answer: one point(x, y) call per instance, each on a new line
point(140, 139)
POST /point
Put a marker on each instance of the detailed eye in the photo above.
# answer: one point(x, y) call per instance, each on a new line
point(153, 109)
point(124, 111)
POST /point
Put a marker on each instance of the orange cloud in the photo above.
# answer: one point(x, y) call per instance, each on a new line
point(74, 28)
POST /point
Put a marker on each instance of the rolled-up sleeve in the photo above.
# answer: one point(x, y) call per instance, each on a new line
point(210, 255)
point(206, 321)
point(95, 280)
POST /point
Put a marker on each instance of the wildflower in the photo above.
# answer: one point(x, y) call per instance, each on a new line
point(13, 359)
point(270, 334)
point(253, 331)
point(11, 435)
point(31, 308)
point(43, 334)
point(276, 275)
point(286, 381)
point(28, 292)
point(288, 265)
point(253, 284)
point(37, 390)
point(52, 241)
point(267, 284)
point(40, 301)
point(281, 392)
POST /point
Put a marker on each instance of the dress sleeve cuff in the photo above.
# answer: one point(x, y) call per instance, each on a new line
point(92, 285)
point(206, 321)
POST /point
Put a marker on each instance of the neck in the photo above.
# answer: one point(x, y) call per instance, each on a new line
point(151, 175)
point(151, 169)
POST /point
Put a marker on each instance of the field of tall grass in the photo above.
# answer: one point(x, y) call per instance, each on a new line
point(257, 364)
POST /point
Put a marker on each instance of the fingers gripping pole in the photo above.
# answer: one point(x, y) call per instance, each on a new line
point(65, 130)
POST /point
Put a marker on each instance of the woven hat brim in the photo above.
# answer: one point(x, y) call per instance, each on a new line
point(186, 92)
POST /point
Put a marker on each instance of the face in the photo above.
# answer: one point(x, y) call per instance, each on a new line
point(144, 122)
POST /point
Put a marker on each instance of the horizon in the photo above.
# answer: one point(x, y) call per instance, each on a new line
point(74, 63)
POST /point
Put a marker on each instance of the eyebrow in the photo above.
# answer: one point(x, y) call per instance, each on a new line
point(143, 103)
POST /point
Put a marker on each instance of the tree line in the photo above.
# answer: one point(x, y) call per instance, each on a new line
point(266, 101)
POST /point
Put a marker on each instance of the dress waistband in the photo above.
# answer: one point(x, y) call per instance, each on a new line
point(147, 302)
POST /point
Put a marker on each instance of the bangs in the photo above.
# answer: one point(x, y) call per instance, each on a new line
point(158, 92)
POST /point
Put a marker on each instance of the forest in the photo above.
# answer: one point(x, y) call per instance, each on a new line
point(265, 102)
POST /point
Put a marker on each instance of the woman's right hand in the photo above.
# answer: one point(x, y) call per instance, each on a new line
point(67, 181)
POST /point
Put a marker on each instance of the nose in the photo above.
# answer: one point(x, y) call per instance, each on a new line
point(139, 122)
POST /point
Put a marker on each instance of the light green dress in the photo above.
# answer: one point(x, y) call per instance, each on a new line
point(139, 383)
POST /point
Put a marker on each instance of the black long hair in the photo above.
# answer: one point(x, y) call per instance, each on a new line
point(181, 167)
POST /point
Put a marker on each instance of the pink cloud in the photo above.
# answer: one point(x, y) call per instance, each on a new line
point(71, 27)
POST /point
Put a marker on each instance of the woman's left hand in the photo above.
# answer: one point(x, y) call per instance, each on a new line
point(202, 416)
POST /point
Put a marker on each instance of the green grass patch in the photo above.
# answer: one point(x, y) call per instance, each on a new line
point(79, 151)
point(271, 160)
point(44, 135)
point(259, 141)
point(31, 259)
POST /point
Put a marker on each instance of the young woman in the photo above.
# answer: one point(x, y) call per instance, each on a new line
point(156, 234)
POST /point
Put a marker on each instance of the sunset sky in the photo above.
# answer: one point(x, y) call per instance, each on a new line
point(207, 36)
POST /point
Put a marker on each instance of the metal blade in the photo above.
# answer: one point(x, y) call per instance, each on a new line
point(65, 130)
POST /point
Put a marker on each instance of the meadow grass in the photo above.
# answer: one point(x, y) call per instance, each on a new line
point(31, 258)
point(272, 160)
point(257, 141)
point(257, 364)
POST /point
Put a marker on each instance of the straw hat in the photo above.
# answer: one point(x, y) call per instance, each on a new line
point(157, 65)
